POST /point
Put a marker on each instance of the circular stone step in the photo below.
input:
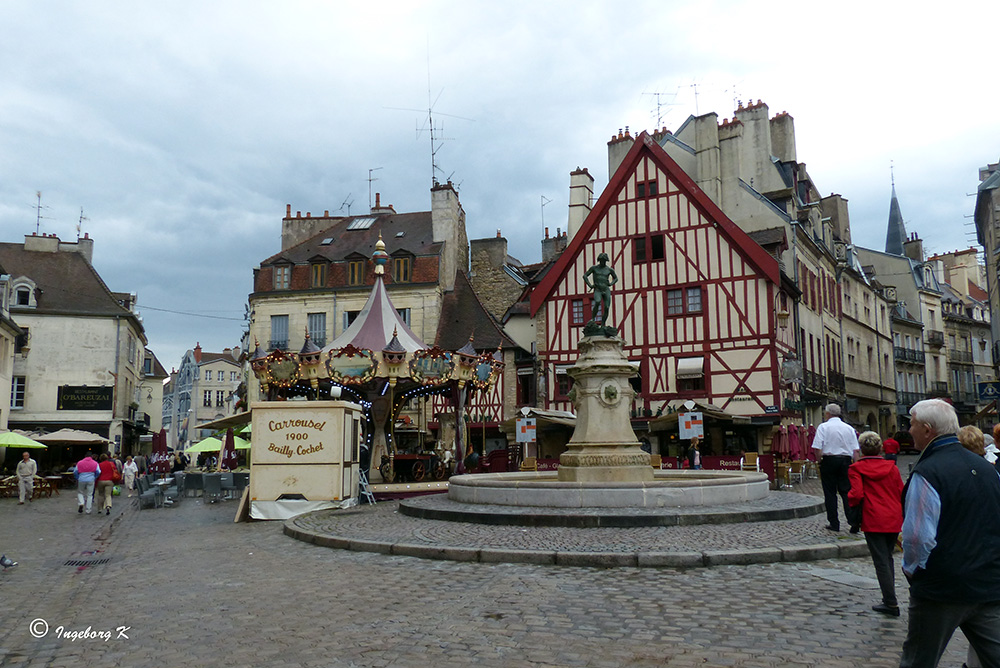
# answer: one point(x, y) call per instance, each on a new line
point(775, 506)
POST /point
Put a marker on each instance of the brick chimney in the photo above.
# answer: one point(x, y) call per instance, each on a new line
point(197, 352)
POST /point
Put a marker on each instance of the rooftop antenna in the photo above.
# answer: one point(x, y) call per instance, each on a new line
point(38, 212)
point(79, 224)
point(545, 200)
point(347, 203)
point(659, 106)
point(370, 179)
point(433, 130)
point(695, 87)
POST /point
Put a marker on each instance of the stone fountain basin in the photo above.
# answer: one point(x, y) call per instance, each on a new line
point(668, 489)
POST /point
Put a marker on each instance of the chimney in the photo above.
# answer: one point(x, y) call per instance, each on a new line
point(378, 208)
point(197, 352)
point(581, 195)
point(913, 248)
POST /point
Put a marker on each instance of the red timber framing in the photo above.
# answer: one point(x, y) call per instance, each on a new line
point(695, 286)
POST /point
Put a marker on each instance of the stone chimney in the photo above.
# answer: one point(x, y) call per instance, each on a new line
point(448, 222)
point(913, 248)
point(581, 197)
point(50, 243)
point(783, 137)
point(552, 247)
point(618, 148)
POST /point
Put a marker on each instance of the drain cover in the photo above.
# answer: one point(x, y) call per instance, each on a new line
point(843, 577)
point(86, 562)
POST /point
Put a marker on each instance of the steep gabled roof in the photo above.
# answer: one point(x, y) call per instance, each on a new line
point(409, 232)
point(463, 315)
point(645, 146)
point(67, 284)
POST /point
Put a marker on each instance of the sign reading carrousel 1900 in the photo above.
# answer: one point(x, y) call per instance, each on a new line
point(304, 451)
point(85, 398)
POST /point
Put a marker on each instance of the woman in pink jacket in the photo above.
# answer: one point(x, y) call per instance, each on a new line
point(878, 488)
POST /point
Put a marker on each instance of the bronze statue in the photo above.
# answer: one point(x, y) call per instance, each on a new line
point(604, 277)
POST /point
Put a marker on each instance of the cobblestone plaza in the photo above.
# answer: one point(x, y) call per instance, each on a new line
point(186, 585)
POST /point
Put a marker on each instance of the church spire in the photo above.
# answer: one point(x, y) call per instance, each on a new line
point(895, 235)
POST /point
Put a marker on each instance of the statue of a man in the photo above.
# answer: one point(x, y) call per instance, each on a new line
point(604, 277)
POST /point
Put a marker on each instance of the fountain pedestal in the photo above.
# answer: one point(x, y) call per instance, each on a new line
point(603, 447)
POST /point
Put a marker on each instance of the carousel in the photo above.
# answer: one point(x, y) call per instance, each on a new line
point(380, 364)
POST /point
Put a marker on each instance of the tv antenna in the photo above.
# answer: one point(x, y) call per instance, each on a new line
point(428, 125)
point(347, 203)
point(545, 200)
point(38, 212)
point(370, 179)
point(660, 105)
point(79, 224)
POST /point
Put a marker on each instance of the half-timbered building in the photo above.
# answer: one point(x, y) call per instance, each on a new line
point(698, 302)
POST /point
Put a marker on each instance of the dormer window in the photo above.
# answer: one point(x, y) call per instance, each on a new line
point(318, 274)
point(282, 277)
point(24, 293)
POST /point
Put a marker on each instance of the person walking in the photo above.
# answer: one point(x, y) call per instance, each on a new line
point(106, 482)
point(876, 489)
point(890, 447)
point(86, 476)
point(836, 447)
point(951, 536)
point(26, 470)
point(131, 470)
point(694, 454)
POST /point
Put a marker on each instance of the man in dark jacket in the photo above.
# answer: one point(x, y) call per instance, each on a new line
point(951, 541)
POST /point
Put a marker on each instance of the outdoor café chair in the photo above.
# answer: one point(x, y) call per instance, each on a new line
point(176, 491)
point(194, 482)
point(227, 483)
point(212, 490)
point(240, 480)
point(148, 494)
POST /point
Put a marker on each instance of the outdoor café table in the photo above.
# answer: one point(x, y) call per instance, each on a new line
point(69, 479)
point(54, 481)
point(163, 483)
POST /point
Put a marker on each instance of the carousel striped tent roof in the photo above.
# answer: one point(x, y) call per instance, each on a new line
point(374, 327)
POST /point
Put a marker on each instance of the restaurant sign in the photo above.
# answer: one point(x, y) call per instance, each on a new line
point(85, 398)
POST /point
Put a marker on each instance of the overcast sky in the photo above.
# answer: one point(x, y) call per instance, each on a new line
point(183, 129)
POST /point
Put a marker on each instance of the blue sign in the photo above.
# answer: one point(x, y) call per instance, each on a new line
point(989, 391)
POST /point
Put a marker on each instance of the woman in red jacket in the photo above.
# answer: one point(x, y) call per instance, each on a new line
point(878, 488)
point(106, 482)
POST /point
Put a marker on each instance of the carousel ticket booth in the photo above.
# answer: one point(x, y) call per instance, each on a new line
point(304, 457)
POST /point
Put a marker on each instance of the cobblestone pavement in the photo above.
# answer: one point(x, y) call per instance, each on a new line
point(194, 588)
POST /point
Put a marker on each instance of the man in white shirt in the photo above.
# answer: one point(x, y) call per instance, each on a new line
point(836, 446)
point(26, 470)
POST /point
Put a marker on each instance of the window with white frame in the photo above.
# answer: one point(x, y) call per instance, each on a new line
point(17, 389)
point(206, 399)
point(220, 398)
point(234, 376)
point(221, 376)
point(208, 374)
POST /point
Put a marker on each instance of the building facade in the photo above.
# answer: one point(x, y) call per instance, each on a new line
point(202, 389)
point(79, 361)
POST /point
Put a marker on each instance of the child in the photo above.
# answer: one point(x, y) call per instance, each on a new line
point(877, 487)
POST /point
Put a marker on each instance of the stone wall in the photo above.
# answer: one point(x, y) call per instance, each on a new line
point(496, 289)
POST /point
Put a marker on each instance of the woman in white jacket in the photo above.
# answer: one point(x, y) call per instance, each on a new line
point(131, 470)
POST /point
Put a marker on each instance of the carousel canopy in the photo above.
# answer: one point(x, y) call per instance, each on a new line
point(373, 328)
